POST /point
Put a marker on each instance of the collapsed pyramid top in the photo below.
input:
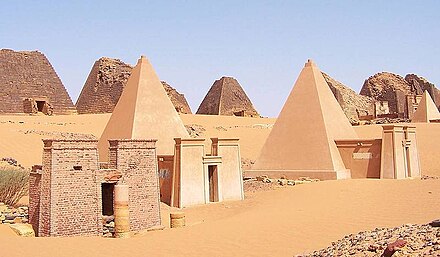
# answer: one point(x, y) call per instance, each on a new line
point(227, 97)
point(302, 139)
point(144, 111)
point(103, 86)
point(427, 110)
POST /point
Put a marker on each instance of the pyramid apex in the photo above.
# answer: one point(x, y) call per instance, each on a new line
point(310, 63)
point(143, 59)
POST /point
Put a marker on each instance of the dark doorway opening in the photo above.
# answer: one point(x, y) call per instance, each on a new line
point(239, 113)
point(40, 105)
point(213, 183)
point(107, 198)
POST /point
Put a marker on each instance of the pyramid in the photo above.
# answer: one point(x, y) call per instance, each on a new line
point(103, 86)
point(28, 79)
point(426, 111)
point(227, 97)
point(143, 111)
point(301, 142)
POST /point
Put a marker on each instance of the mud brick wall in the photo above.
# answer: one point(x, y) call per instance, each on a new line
point(30, 75)
point(69, 202)
point(227, 97)
point(34, 199)
point(137, 161)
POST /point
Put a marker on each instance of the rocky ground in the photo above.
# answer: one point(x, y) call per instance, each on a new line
point(265, 183)
point(12, 215)
point(421, 240)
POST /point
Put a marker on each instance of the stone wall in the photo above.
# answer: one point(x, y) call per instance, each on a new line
point(105, 84)
point(137, 161)
point(29, 74)
point(227, 97)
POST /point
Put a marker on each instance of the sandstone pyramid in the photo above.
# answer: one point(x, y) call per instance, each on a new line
point(420, 82)
point(352, 104)
point(227, 97)
point(105, 84)
point(427, 110)
point(301, 142)
point(30, 84)
point(178, 99)
point(144, 111)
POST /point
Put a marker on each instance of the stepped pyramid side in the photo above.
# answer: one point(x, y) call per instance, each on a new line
point(227, 97)
point(29, 75)
point(144, 111)
point(301, 142)
point(103, 86)
point(427, 110)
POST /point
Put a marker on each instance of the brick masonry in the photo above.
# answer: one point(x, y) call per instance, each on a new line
point(66, 199)
point(137, 161)
point(29, 74)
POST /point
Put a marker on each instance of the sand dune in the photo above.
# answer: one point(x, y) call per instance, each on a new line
point(279, 222)
point(21, 135)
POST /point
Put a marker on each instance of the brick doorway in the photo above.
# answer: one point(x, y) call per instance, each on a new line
point(107, 198)
point(40, 105)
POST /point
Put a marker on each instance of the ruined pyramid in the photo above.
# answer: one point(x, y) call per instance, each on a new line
point(105, 83)
point(426, 111)
point(227, 97)
point(301, 142)
point(103, 86)
point(143, 111)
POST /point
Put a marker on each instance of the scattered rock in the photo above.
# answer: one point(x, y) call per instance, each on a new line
point(195, 130)
point(420, 240)
point(11, 215)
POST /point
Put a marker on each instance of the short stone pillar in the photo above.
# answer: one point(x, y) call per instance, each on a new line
point(177, 219)
point(121, 211)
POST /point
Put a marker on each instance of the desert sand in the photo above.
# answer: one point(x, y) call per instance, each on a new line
point(280, 222)
point(21, 135)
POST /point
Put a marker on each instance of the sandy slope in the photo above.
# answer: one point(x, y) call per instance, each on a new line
point(20, 136)
point(281, 222)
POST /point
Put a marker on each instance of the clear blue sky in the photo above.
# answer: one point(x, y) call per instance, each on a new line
point(263, 44)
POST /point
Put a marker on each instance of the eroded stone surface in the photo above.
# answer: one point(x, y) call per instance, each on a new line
point(353, 104)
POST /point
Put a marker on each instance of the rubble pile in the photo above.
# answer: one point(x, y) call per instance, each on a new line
point(11, 215)
point(420, 240)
